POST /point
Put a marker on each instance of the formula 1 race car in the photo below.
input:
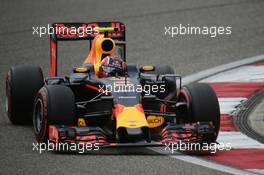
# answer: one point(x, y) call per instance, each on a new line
point(108, 101)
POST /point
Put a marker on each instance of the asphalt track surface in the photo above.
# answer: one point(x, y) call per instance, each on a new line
point(146, 44)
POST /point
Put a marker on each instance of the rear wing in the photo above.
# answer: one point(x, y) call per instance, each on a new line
point(80, 31)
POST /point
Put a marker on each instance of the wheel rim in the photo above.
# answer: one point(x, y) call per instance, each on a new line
point(8, 101)
point(6, 104)
point(38, 116)
point(185, 97)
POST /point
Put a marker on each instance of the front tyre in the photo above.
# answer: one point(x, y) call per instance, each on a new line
point(54, 105)
point(203, 106)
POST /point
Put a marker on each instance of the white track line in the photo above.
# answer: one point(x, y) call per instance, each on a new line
point(238, 140)
point(256, 171)
point(241, 74)
point(209, 72)
point(203, 162)
point(229, 105)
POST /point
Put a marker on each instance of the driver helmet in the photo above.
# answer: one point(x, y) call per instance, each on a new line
point(112, 66)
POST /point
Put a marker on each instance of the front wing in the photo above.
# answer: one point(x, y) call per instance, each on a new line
point(185, 133)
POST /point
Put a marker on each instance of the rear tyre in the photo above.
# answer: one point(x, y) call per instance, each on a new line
point(22, 85)
point(54, 105)
point(203, 106)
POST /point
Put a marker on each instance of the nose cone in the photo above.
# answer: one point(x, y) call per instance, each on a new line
point(131, 124)
point(132, 135)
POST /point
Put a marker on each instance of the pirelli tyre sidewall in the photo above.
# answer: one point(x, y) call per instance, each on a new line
point(54, 105)
point(203, 106)
point(22, 85)
point(40, 114)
